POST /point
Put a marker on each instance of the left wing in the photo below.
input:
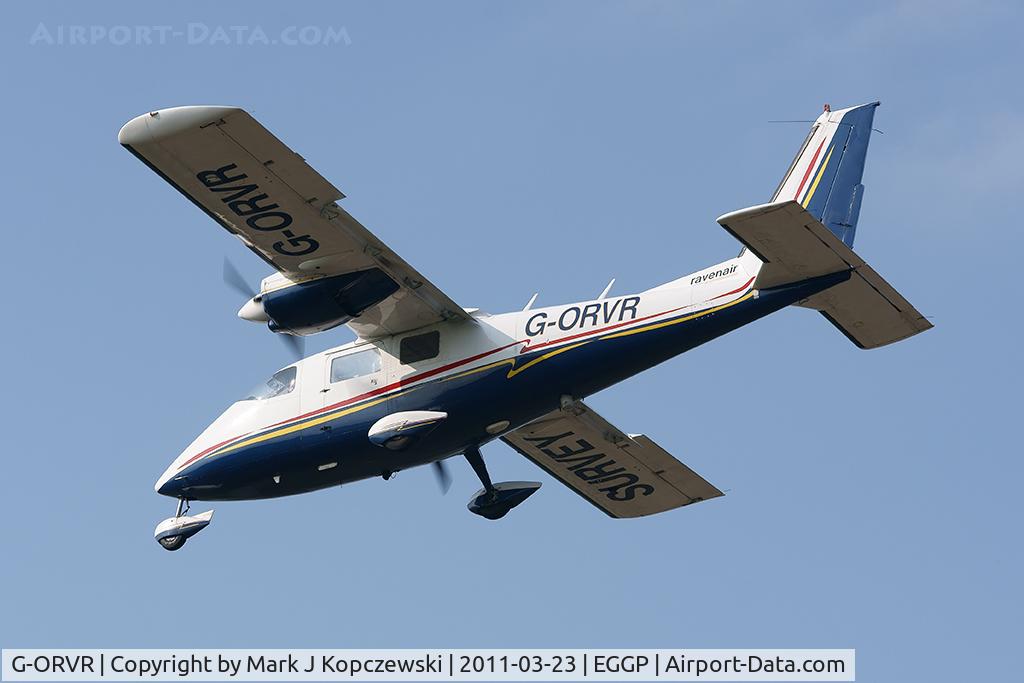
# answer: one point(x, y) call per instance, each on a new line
point(625, 476)
point(258, 189)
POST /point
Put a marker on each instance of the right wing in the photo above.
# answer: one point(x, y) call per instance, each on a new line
point(625, 476)
point(258, 189)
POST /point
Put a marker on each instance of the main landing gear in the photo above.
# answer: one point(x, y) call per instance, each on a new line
point(494, 501)
point(174, 531)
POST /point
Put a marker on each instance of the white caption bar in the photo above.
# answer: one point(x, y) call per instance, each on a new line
point(428, 665)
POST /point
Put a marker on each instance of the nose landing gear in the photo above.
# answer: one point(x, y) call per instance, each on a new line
point(172, 533)
point(494, 501)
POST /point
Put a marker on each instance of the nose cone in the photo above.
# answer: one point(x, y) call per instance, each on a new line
point(190, 473)
point(252, 310)
point(166, 485)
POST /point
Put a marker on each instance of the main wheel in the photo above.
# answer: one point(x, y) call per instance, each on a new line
point(172, 542)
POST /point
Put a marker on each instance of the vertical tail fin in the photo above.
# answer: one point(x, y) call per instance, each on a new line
point(825, 175)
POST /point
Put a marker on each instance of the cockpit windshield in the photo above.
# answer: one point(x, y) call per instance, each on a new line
point(282, 382)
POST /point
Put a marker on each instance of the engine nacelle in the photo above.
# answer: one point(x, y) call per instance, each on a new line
point(317, 305)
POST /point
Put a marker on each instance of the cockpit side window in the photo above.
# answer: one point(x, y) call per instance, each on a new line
point(280, 383)
point(355, 365)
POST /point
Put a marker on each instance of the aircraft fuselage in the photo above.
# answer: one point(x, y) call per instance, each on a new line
point(489, 378)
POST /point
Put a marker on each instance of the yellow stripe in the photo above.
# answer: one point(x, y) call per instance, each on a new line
point(676, 321)
point(333, 416)
point(301, 425)
point(479, 369)
point(512, 361)
point(511, 373)
point(309, 423)
point(515, 371)
point(817, 179)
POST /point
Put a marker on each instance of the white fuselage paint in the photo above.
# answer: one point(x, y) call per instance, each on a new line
point(513, 333)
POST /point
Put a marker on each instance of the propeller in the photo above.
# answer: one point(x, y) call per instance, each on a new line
point(236, 281)
point(296, 345)
point(444, 479)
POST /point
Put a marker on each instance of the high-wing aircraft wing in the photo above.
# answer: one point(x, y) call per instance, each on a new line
point(265, 194)
point(625, 476)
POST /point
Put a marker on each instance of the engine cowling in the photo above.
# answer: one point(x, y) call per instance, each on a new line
point(313, 306)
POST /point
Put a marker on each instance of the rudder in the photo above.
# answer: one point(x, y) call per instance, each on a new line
point(825, 177)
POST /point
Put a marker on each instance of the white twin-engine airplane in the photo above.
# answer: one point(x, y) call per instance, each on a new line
point(428, 379)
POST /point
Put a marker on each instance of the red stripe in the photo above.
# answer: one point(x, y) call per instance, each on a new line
point(807, 173)
point(529, 347)
point(738, 289)
point(445, 368)
point(400, 383)
point(211, 448)
point(369, 394)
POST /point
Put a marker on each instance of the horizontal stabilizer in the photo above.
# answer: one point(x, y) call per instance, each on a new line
point(795, 246)
point(625, 476)
point(868, 310)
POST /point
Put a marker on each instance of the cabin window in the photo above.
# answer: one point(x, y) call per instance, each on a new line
point(420, 347)
point(280, 383)
point(355, 365)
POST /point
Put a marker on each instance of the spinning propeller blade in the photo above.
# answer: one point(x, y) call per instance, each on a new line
point(444, 479)
point(297, 345)
point(236, 281)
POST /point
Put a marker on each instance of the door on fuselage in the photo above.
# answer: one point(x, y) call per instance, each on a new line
point(337, 384)
point(355, 387)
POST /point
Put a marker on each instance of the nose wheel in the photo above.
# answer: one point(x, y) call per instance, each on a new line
point(494, 501)
point(172, 533)
point(172, 542)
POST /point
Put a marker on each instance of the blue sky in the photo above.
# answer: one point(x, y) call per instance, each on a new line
point(504, 149)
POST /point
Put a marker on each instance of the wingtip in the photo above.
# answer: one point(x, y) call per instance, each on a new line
point(161, 123)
